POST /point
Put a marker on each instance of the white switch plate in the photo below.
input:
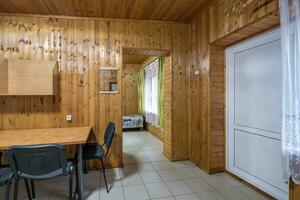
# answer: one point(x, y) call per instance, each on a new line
point(69, 117)
point(197, 72)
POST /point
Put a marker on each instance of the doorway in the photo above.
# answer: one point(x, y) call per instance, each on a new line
point(143, 137)
point(253, 113)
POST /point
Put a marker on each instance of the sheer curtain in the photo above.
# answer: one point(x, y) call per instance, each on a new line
point(290, 36)
point(151, 91)
point(141, 91)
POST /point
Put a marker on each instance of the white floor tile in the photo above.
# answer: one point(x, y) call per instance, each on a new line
point(178, 187)
point(199, 172)
point(157, 190)
point(252, 194)
point(182, 164)
point(148, 174)
point(136, 192)
point(133, 179)
point(231, 180)
point(187, 197)
point(167, 198)
point(217, 182)
point(150, 177)
point(115, 193)
point(156, 157)
point(161, 165)
point(111, 182)
point(233, 194)
point(168, 175)
point(145, 167)
point(187, 173)
point(198, 185)
point(213, 195)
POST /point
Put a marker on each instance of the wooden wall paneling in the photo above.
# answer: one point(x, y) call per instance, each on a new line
point(134, 59)
point(81, 46)
point(222, 23)
point(195, 103)
point(228, 16)
point(156, 131)
point(294, 189)
point(130, 89)
point(167, 137)
point(216, 121)
point(204, 93)
point(180, 93)
point(3, 76)
point(226, 27)
point(110, 104)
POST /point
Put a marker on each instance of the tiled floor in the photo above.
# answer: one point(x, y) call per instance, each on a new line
point(148, 175)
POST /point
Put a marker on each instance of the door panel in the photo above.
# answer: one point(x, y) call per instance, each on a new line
point(254, 113)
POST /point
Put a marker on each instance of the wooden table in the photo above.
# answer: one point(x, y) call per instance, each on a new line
point(63, 136)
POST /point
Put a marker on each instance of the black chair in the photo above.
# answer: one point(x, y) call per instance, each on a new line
point(5, 178)
point(39, 162)
point(95, 151)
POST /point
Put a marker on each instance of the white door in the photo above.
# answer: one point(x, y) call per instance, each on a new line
point(253, 113)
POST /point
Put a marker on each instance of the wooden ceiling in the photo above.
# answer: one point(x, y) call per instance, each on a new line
point(168, 10)
point(134, 59)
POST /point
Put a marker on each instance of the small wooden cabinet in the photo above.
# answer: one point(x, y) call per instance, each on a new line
point(28, 77)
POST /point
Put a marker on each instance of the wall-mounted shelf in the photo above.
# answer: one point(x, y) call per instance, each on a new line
point(109, 92)
point(108, 80)
point(109, 68)
point(28, 77)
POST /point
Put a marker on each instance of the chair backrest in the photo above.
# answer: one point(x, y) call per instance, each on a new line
point(109, 135)
point(39, 162)
point(0, 157)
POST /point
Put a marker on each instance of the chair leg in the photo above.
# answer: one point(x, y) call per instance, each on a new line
point(71, 186)
point(76, 186)
point(28, 189)
point(32, 189)
point(103, 168)
point(16, 189)
point(86, 166)
point(7, 192)
point(0, 157)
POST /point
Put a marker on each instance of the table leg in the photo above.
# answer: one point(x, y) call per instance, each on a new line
point(79, 168)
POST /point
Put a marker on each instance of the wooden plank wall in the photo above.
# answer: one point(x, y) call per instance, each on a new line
point(130, 89)
point(167, 137)
point(82, 46)
point(222, 23)
point(180, 74)
point(294, 190)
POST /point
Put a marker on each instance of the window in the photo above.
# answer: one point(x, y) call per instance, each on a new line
point(151, 92)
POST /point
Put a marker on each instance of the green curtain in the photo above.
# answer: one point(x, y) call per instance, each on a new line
point(160, 92)
point(141, 87)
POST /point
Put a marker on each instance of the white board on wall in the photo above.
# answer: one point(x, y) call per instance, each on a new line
point(253, 101)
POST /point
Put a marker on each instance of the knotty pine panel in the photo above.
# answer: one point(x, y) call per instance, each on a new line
point(167, 129)
point(222, 23)
point(179, 10)
point(130, 89)
point(82, 46)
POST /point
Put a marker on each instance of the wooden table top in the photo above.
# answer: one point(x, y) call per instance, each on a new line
point(62, 136)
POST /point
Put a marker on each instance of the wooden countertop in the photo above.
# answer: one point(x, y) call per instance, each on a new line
point(63, 136)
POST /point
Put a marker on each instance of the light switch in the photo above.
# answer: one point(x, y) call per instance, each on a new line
point(69, 117)
point(197, 72)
